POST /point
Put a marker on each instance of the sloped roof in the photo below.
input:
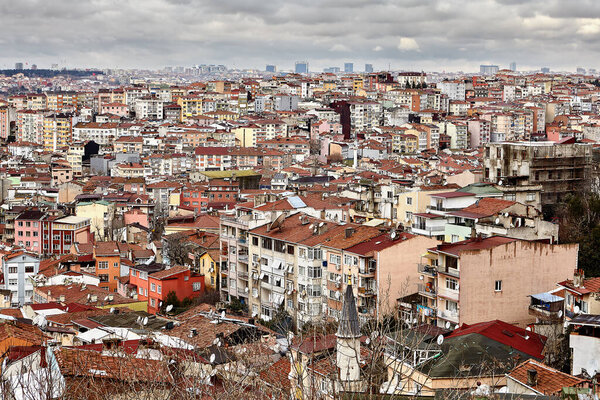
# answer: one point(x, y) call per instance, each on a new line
point(550, 381)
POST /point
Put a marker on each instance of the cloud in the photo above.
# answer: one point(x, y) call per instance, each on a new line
point(431, 35)
point(408, 44)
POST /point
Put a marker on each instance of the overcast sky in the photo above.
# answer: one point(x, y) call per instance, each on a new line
point(405, 34)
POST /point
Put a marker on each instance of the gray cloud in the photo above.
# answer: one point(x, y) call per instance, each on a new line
point(406, 34)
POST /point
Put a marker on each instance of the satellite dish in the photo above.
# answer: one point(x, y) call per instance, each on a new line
point(497, 221)
point(145, 321)
point(112, 310)
point(447, 324)
point(139, 319)
point(527, 337)
point(169, 307)
point(560, 313)
point(506, 214)
point(421, 277)
point(311, 226)
point(577, 310)
point(393, 234)
point(321, 224)
point(456, 326)
point(368, 341)
point(106, 298)
point(415, 320)
point(500, 182)
point(212, 358)
point(528, 329)
point(246, 289)
point(160, 304)
point(218, 342)
point(223, 314)
point(476, 220)
point(440, 340)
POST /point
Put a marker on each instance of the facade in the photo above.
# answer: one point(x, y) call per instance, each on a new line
point(485, 279)
point(18, 269)
point(561, 169)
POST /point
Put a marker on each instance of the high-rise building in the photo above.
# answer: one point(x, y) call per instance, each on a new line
point(545, 70)
point(513, 66)
point(270, 68)
point(348, 67)
point(580, 71)
point(368, 68)
point(488, 69)
point(19, 65)
point(331, 70)
point(301, 67)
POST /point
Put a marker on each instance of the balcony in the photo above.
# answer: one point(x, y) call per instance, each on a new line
point(243, 275)
point(449, 271)
point(427, 269)
point(243, 258)
point(366, 291)
point(451, 316)
point(545, 314)
point(243, 241)
point(428, 290)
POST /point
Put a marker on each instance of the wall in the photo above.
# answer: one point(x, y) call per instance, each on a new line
point(397, 274)
point(586, 353)
point(525, 268)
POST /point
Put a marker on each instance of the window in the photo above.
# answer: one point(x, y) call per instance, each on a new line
point(103, 278)
point(102, 264)
point(133, 272)
point(335, 259)
point(454, 238)
point(510, 196)
point(29, 269)
point(153, 287)
point(451, 306)
point(159, 289)
point(350, 260)
point(290, 249)
point(313, 290)
point(409, 201)
point(530, 196)
point(153, 302)
point(314, 272)
point(116, 265)
point(451, 284)
point(584, 307)
point(254, 240)
point(267, 244)
point(13, 282)
point(197, 286)
point(13, 270)
point(498, 286)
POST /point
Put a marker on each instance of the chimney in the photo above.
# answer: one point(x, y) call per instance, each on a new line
point(531, 377)
point(578, 277)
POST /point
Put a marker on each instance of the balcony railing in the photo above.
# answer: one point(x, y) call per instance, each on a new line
point(429, 291)
point(427, 269)
point(243, 275)
point(449, 271)
point(448, 315)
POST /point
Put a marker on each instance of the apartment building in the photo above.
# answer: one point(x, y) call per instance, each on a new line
point(560, 168)
point(30, 126)
point(18, 268)
point(58, 131)
point(483, 279)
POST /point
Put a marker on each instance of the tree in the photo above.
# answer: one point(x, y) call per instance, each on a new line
point(177, 249)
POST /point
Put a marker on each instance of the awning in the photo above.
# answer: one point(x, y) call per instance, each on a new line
point(430, 256)
point(546, 297)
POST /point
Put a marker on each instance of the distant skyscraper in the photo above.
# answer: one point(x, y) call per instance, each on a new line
point(368, 68)
point(545, 70)
point(581, 71)
point(302, 67)
point(513, 66)
point(18, 65)
point(331, 70)
point(270, 68)
point(349, 67)
point(488, 69)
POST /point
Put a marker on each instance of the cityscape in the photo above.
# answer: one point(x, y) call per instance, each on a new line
point(242, 201)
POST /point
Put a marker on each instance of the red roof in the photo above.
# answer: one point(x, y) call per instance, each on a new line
point(212, 151)
point(450, 195)
point(473, 244)
point(519, 339)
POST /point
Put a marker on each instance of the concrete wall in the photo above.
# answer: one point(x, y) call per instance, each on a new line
point(525, 268)
point(586, 353)
point(397, 273)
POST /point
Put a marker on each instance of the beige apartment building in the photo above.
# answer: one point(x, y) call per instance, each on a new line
point(486, 279)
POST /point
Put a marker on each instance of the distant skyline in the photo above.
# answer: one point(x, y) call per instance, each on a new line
point(407, 34)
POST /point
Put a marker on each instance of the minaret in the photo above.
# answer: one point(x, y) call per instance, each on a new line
point(348, 340)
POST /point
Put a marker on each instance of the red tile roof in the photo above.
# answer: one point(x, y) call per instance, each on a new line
point(549, 380)
point(473, 244)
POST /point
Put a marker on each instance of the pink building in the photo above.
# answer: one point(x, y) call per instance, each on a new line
point(135, 215)
point(120, 109)
point(28, 230)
